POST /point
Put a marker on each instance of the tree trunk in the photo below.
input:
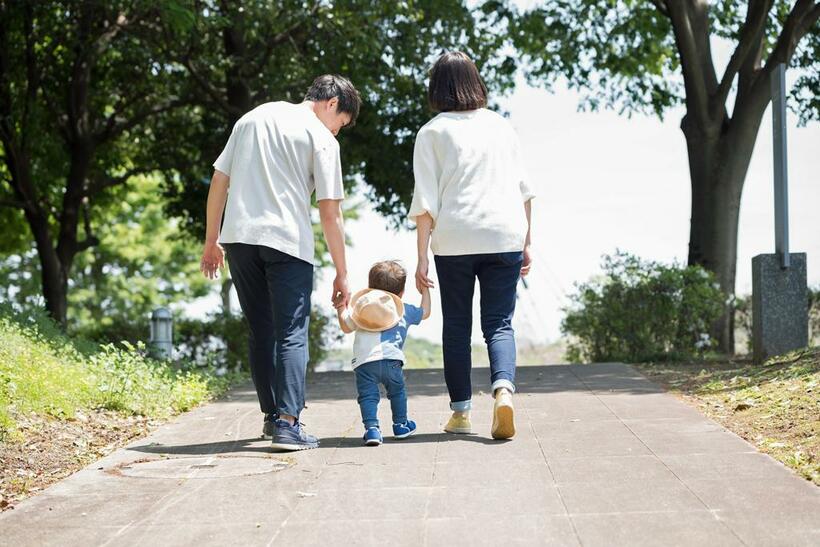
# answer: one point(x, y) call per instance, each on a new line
point(54, 279)
point(718, 161)
point(238, 96)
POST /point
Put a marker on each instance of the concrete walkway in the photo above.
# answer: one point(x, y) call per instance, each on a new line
point(602, 457)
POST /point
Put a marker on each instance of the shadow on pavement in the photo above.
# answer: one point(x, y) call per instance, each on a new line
point(608, 377)
point(255, 444)
point(356, 442)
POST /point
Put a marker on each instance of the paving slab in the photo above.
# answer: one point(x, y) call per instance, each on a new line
point(602, 456)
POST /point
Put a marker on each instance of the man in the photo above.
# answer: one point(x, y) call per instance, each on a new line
point(275, 158)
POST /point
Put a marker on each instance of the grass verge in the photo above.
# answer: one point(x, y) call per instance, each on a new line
point(775, 405)
point(66, 402)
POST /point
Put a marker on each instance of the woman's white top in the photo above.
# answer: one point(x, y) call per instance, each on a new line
point(470, 177)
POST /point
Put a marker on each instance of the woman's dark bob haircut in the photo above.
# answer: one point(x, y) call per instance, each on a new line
point(455, 84)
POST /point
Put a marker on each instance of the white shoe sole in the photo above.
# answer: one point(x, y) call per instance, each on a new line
point(293, 447)
point(503, 422)
point(405, 435)
point(372, 442)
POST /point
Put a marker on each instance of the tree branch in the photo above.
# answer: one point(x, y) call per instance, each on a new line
point(13, 203)
point(215, 95)
point(756, 15)
point(101, 183)
point(90, 239)
point(803, 15)
point(112, 128)
point(32, 76)
point(286, 35)
point(661, 5)
point(88, 242)
point(697, 97)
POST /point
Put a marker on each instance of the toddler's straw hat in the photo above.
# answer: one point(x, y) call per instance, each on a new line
point(375, 310)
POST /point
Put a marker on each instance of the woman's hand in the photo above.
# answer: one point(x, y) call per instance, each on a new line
point(422, 281)
point(213, 258)
point(527, 264)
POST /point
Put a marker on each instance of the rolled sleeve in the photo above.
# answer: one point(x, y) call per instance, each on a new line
point(225, 160)
point(426, 174)
point(413, 314)
point(327, 172)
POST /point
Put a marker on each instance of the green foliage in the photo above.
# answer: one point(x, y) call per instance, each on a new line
point(642, 310)
point(420, 353)
point(142, 261)
point(236, 59)
point(44, 372)
point(622, 53)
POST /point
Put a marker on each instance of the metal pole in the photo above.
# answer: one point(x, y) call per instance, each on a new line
point(781, 180)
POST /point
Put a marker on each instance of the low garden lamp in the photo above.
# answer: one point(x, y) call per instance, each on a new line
point(162, 343)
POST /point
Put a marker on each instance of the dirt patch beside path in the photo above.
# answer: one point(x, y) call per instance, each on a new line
point(45, 450)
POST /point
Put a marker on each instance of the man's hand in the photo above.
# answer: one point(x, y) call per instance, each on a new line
point(213, 259)
point(341, 294)
point(422, 281)
point(527, 264)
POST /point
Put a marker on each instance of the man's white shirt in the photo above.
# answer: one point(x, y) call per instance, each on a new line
point(276, 156)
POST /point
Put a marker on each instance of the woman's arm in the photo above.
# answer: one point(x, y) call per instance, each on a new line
point(525, 267)
point(213, 255)
point(424, 227)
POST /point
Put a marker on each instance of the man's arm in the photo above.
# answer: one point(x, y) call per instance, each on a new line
point(330, 213)
point(213, 256)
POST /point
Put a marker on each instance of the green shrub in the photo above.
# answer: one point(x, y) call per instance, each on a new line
point(642, 310)
point(44, 372)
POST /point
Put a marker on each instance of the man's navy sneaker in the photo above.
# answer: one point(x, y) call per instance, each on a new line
point(402, 431)
point(292, 437)
point(372, 437)
point(269, 426)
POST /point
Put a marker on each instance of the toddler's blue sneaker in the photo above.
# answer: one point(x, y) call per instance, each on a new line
point(292, 437)
point(402, 431)
point(372, 437)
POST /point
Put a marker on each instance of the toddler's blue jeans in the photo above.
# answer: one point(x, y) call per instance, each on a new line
point(387, 372)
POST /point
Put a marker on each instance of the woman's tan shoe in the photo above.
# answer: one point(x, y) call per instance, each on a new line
point(503, 415)
point(459, 422)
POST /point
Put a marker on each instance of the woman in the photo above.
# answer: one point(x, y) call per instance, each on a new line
point(472, 200)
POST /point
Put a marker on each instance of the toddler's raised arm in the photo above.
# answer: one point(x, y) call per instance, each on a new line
point(425, 302)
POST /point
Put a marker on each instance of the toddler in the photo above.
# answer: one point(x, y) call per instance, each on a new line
point(380, 320)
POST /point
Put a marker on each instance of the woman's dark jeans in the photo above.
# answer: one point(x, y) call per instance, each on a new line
point(497, 275)
point(274, 291)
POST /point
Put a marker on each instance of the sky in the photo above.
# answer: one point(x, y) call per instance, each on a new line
point(604, 182)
